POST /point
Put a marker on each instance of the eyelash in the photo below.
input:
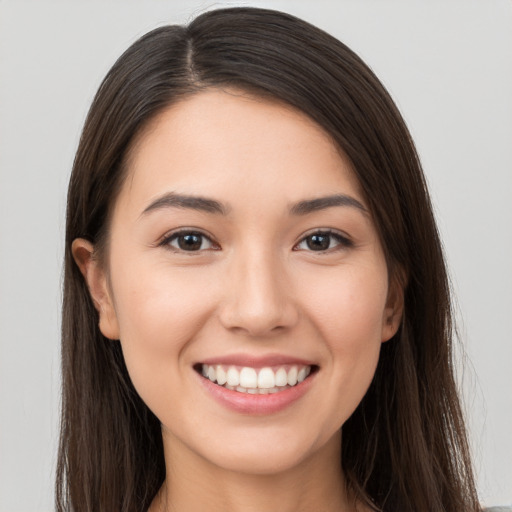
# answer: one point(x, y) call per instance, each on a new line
point(343, 241)
point(166, 241)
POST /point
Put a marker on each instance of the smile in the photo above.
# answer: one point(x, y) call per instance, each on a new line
point(262, 381)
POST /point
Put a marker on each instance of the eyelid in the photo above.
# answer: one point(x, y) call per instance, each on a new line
point(170, 235)
point(344, 240)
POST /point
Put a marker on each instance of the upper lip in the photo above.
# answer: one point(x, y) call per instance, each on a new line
point(254, 361)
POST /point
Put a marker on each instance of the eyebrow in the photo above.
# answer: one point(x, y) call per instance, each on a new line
point(322, 203)
point(173, 200)
point(204, 204)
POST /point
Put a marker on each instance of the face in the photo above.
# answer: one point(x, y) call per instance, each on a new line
point(242, 255)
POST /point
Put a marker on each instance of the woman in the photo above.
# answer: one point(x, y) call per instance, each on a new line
point(256, 307)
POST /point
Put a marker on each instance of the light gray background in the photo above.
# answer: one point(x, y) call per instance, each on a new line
point(448, 64)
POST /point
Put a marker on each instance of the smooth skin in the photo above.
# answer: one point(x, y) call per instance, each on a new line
point(253, 279)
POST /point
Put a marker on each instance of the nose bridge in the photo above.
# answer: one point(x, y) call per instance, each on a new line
point(259, 297)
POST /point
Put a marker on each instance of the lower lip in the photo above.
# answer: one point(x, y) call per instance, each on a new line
point(248, 403)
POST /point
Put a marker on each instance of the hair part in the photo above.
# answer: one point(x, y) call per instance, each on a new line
point(405, 446)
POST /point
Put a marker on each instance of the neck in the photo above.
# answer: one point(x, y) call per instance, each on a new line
point(194, 485)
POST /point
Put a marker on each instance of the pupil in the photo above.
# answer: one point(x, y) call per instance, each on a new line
point(318, 242)
point(189, 242)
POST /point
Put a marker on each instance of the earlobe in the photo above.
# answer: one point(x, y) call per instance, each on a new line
point(96, 280)
point(394, 310)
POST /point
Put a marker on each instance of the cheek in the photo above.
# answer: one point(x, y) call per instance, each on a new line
point(348, 306)
point(158, 313)
point(347, 309)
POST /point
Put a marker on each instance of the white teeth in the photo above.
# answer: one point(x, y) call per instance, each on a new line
point(256, 391)
point(221, 375)
point(266, 378)
point(281, 377)
point(233, 377)
point(292, 376)
point(248, 378)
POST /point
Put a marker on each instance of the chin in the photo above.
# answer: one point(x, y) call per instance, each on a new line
point(270, 461)
point(268, 453)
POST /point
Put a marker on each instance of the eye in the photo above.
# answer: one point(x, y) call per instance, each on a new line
point(189, 241)
point(323, 241)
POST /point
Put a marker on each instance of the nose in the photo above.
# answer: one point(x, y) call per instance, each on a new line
point(259, 298)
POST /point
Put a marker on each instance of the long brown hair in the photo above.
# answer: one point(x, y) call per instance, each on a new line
point(405, 447)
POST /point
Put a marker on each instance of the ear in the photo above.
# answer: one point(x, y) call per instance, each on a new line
point(96, 280)
point(394, 309)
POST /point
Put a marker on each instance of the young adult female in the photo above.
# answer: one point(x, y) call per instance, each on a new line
point(256, 307)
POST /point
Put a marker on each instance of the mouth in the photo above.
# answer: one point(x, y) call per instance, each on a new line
point(256, 381)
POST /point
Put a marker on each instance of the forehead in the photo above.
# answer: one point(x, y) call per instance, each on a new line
point(229, 144)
